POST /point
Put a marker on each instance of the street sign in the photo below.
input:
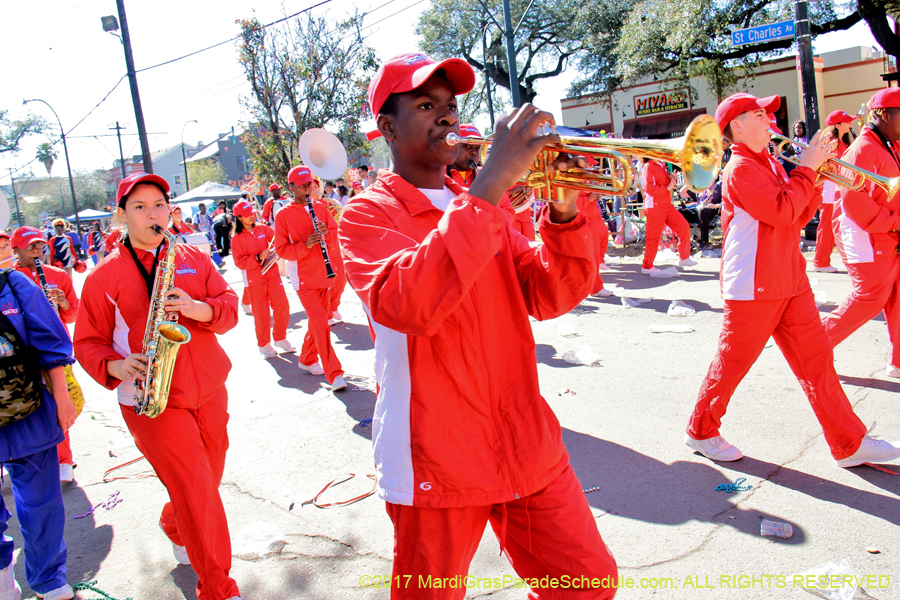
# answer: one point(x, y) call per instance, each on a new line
point(763, 33)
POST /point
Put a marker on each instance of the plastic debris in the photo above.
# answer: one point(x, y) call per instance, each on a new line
point(737, 486)
point(830, 576)
point(365, 423)
point(257, 540)
point(670, 329)
point(585, 356)
point(680, 309)
point(567, 391)
point(108, 504)
point(813, 282)
point(632, 302)
point(92, 586)
point(566, 329)
point(775, 529)
point(665, 273)
point(821, 297)
point(872, 550)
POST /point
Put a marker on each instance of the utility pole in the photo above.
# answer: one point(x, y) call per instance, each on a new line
point(511, 56)
point(15, 196)
point(807, 70)
point(135, 95)
point(121, 155)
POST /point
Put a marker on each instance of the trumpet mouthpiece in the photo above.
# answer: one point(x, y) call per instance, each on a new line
point(156, 229)
point(452, 139)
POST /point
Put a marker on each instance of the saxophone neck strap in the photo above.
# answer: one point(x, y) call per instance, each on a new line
point(148, 277)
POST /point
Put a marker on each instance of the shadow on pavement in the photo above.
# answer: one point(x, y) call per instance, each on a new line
point(546, 354)
point(872, 384)
point(353, 336)
point(185, 580)
point(292, 376)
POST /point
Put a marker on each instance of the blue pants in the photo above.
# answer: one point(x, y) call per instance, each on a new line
point(42, 515)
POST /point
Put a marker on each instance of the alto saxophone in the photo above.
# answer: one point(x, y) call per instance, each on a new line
point(162, 338)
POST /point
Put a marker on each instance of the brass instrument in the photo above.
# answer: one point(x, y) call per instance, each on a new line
point(698, 153)
point(829, 170)
point(163, 337)
point(271, 258)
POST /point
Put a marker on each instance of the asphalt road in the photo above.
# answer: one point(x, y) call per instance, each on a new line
point(656, 504)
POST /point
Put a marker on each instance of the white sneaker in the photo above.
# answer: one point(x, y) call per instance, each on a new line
point(688, 262)
point(338, 384)
point(235, 598)
point(66, 473)
point(872, 449)
point(652, 271)
point(64, 593)
point(604, 293)
point(181, 554)
point(892, 371)
point(828, 269)
point(9, 587)
point(314, 369)
point(336, 317)
point(247, 309)
point(604, 267)
point(268, 351)
point(715, 448)
point(285, 345)
point(331, 322)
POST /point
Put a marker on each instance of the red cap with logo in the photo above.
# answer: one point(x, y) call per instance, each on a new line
point(300, 175)
point(25, 236)
point(886, 98)
point(737, 104)
point(839, 116)
point(127, 184)
point(274, 187)
point(243, 209)
point(468, 130)
point(406, 72)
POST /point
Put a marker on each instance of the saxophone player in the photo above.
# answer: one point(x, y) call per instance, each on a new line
point(186, 443)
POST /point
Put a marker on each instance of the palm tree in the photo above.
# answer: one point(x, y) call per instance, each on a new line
point(46, 154)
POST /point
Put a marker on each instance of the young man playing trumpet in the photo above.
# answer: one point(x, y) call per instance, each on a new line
point(448, 287)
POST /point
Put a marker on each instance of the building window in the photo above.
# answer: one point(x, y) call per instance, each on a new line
point(243, 164)
point(177, 179)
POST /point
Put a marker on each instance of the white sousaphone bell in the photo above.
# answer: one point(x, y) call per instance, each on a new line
point(323, 153)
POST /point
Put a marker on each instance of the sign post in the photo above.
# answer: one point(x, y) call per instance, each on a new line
point(763, 33)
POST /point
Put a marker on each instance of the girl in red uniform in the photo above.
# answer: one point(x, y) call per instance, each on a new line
point(657, 185)
point(186, 443)
point(250, 247)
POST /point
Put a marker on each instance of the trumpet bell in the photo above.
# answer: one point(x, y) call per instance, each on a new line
point(323, 153)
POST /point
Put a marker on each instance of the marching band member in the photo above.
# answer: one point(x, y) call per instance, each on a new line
point(7, 257)
point(657, 186)
point(177, 225)
point(587, 205)
point(186, 443)
point(839, 121)
point(523, 221)
point(448, 287)
point(27, 242)
point(250, 247)
point(766, 289)
point(273, 204)
point(464, 169)
point(299, 243)
point(866, 227)
point(95, 240)
point(112, 240)
point(61, 249)
point(340, 279)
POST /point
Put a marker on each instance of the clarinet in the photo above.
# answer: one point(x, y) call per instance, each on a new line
point(329, 272)
point(44, 286)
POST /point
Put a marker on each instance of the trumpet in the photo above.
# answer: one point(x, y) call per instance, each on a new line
point(698, 153)
point(829, 170)
point(271, 258)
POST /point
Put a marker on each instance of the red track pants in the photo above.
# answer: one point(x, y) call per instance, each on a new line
point(317, 341)
point(598, 283)
point(187, 450)
point(245, 296)
point(551, 533)
point(64, 450)
point(337, 291)
point(876, 288)
point(657, 219)
point(796, 326)
point(262, 296)
point(824, 237)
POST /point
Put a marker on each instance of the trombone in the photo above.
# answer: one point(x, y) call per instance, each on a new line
point(698, 153)
point(829, 170)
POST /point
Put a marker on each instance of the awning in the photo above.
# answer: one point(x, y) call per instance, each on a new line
point(89, 214)
point(662, 126)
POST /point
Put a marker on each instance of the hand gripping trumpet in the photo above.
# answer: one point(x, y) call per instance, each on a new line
point(162, 338)
point(271, 258)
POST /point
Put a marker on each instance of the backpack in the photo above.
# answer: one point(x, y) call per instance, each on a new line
point(21, 388)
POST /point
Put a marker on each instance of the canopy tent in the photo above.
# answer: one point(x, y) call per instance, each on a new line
point(209, 191)
point(89, 214)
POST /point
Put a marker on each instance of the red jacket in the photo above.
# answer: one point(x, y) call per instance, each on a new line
point(245, 246)
point(306, 266)
point(762, 213)
point(464, 181)
point(591, 210)
point(866, 223)
point(113, 316)
point(654, 183)
point(112, 240)
point(57, 278)
point(459, 419)
point(268, 205)
point(181, 229)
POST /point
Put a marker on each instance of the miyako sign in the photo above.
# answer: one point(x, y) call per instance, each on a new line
point(660, 102)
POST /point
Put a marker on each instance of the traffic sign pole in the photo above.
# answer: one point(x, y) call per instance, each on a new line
point(807, 71)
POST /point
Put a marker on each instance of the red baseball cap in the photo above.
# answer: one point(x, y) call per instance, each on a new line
point(839, 116)
point(127, 184)
point(467, 130)
point(737, 104)
point(3, 234)
point(243, 209)
point(173, 208)
point(886, 98)
point(300, 175)
point(25, 236)
point(406, 72)
point(774, 126)
point(274, 187)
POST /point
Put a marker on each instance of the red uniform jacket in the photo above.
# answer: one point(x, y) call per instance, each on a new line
point(113, 316)
point(865, 222)
point(57, 278)
point(654, 182)
point(112, 240)
point(464, 181)
point(448, 295)
point(591, 212)
point(762, 213)
point(268, 206)
point(245, 247)
point(181, 229)
point(306, 266)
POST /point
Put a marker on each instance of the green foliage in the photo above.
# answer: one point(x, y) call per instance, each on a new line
point(12, 131)
point(315, 72)
point(46, 155)
point(53, 198)
point(201, 171)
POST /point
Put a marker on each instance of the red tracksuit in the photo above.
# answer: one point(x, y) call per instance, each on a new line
point(306, 267)
point(265, 290)
point(181, 229)
point(660, 212)
point(58, 278)
point(825, 229)
point(599, 232)
point(524, 224)
point(767, 293)
point(448, 296)
point(186, 444)
point(866, 225)
point(268, 206)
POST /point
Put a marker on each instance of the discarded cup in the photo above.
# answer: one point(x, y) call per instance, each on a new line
point(680, 309)
point(667, 272)
point(632, 302)
point(775, 529)
point(256, 540)
point(585, 356)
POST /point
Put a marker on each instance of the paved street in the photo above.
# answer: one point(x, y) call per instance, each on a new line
point(656, 503)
